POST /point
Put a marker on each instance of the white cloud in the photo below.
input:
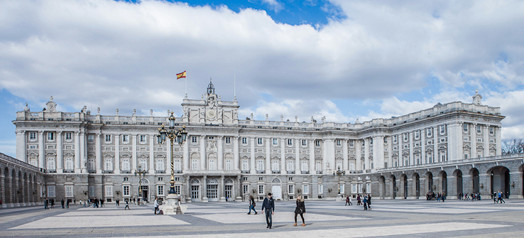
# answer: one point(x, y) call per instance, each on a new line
point(274, 4)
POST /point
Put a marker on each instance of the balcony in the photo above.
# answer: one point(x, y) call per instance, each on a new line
point(125, 171)
point(69, 171)
point(160, 171)
point(291, 172)
point(261, 172)
point(319, 172)
point(275, 172)
point(106, 171)
point(305, 172)
point(245, 171)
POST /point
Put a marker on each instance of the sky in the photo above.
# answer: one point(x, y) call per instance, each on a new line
point(340, 59)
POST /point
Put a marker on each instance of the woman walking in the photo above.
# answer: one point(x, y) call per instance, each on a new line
point(300, 209)
point(252, 204)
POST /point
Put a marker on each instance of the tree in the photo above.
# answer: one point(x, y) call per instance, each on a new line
point(512, 146)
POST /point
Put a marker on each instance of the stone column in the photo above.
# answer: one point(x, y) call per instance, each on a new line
point(41, 151)
point(236, 156)
point(498, 141)
point(400, 150)
point(203, 152)
point(297, 157)
point(134, 155)
point(221, 192)
point(283, 156)
point(435, 145)
point(21, 146)
point(345, 156)
point(268, 156)
point(422, 146)
point(117, 153)
point(390, 153)
point(455, 142)
point(83, 152)
point(473, 134)
point(378, 152)
point(486, 140)
point(77, 152)
point(220, 141)
point(366, 154)
point(411, 144)
point(204, 189)
point(186, 155)
point(59, 153)
point(98, 157)
point(252, 154)
point(312, 156)
point(152, 156)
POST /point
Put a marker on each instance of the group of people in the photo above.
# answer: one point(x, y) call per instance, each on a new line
point(268, 207)
point(437, 196)
point(498, 197)
point(471, 196)
point(364, 200)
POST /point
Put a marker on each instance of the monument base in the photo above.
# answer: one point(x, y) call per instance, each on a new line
point(172, 205)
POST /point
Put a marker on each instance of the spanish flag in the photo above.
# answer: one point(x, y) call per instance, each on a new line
point(181, 75)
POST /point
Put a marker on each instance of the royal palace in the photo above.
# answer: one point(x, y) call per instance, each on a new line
point(450, 148)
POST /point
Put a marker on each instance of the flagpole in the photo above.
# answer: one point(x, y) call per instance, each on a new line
point(185, 85)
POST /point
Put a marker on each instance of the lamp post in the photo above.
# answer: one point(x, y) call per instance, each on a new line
point(140, 172)
point(175, 136)
point(339, 173)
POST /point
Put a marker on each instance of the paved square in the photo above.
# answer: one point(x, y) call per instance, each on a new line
point(406, 218)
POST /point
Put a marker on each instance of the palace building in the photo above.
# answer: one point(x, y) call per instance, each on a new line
point(451, 148)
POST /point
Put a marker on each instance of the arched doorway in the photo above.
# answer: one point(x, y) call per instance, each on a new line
point(474, 173)
point(393, 187)
point(144, 190)
point(382, 184)
point(228, 190)
point(429, 183)
point(195, 190)
point(443, 182)
point(416, 179)
point(500, 180)
point(212, 190)
point(404, 180)
point(458, 182)
point(276, 189)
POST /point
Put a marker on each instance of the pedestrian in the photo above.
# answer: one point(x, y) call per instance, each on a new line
point(347, 201)
point(369, 201)
point(501, 199)
point(358, 200)
point(350, 201)
point(127, 205)
point(269, 207)
point(252, 204)
point(62, 203)
point(101, 202)
point(365, 203)
point(67, 203)
point(117, 202)
point(300, 209)
point(443, 197)
point(156, 204)
point(46, 204)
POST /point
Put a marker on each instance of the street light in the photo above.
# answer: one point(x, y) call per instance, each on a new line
point(140, 172)
point(175, 136)
point(339, 173)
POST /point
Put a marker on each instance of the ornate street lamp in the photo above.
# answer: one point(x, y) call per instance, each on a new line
point(140, 172)
point(339, 173)
point(175, 136)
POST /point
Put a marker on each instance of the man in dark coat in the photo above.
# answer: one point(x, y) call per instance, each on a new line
point(269, 207)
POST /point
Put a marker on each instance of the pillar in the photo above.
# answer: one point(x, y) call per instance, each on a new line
point(116, 137)
point(59, 153)
point(41, 156)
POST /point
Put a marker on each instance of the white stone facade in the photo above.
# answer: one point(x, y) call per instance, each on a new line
point(227, 158)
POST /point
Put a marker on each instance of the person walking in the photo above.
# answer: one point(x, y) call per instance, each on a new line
point(300, 209)
point(127, 205)
point(369, 201)
point(358, 200)
point(62, 203)
point(252, 204)
point(347, 201)
point(156, 204)
point(365, 203)
point(46, 204)
point(269, 207)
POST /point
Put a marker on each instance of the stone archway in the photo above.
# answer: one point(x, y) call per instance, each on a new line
point(382, 185)
point(393, 186)
point(475, 180)
point(429, 183)
point(404, 182)
point(459, 183)
point(416, 185)
point(443, 182)
point(500, 180)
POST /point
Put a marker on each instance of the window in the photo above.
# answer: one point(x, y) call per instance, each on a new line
point(159, 163)
point(143, 138)
point(260, 189)
point(69, 191)
point(244, 140)
point(304, 166)
point(212, 164)
point(305, 188)
point(160, 190)
point(465, 127)
point(304, 142)
point(318, 166)
point(126, 166)
point(395, 139)
point(50, 136)
point(342, 189)
point(109, 190)
point(442, 129)
point(405, 137)
point(290, 166)
point(177, 189)
point(491, 130)
point(260, 165)
point(126, 179)
point(142, 164)
point(126, 190)
point(291, 188)
point(108, 138)
point(339, 142)
point(259, 141)
point(479, 129)
point(108, 164)
point(429, 132)
point(275, 141)
point(69, 164)
point(125, 138)
point(91, 191)
point(91, 167)
point(320, 189)
point(275, 166)
point(32, 135)
point(51, 166)
point(229, 164)
point(90, 138)
point(177, 163)
point(245, 189)
point(194, 164)
point(351, 144)
point(317, 142)
point(289, 142)
point(228, 140)
point(245, 165)
point(51, 191)
point(68, 136)
point(194, 139)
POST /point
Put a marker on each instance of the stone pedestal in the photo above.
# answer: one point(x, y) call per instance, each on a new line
point(222, 199)
point(238, 199)
point(171, 206)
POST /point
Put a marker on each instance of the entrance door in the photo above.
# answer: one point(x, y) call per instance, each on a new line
point(195, 192)
point(229, 192)
point(145, 193)
point(212, 192)
point(277, 192)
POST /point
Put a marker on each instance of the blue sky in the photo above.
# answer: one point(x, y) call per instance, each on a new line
point(345, 60)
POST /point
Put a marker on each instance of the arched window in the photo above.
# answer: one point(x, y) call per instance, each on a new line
point(51, 165)
point(108, 164)
point(69, 164)
point(160, 165)
point(126, 165)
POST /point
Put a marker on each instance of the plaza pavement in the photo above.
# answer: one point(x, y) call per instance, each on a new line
point(396, 218)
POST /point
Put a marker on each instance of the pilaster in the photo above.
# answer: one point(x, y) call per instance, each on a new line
point(297, 157)
point(116, 137)
point(202, 152)
point(59, 153)
point(253, 162)
point(220, 145)
point(41, 155)
point(152, 154)
point(473, 134)
point(345, 156)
